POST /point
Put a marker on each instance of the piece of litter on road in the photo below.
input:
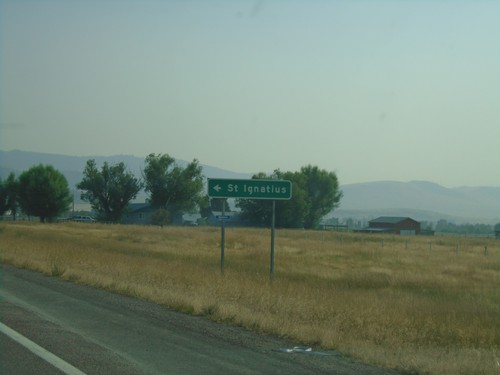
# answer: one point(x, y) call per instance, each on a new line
point(300, 349)
point(295, 349)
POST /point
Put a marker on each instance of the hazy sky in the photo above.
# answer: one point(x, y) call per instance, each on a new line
point(372, 90)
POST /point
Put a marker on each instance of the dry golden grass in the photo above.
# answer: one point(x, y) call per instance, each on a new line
point(424, 304)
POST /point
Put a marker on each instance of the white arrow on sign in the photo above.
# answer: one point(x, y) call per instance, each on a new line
point(217, 188)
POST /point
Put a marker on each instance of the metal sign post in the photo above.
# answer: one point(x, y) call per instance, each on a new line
point(222, 238)
point(272, 240)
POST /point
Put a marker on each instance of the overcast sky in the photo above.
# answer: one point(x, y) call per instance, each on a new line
point(372, 90)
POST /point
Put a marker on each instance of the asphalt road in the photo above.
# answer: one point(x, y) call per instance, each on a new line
point(98, 332)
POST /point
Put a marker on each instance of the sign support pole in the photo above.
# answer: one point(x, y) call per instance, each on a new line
point(222, 237)
point(272, 239)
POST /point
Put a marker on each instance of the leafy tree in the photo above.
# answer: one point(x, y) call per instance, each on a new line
point(156, 178)
point(322, 191)
point(172, 187)
point(109, 190)
point(292, 213)
point(315, 193)
point(43, 192)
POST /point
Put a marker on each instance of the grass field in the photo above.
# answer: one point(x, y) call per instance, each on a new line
point(421, 304)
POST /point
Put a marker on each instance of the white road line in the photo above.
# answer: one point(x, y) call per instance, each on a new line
point(41, 352)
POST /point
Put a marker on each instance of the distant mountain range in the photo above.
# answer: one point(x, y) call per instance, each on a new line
point(421, 200)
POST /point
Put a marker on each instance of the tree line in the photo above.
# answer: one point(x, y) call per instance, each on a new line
point(42, 191)
point(444, 226)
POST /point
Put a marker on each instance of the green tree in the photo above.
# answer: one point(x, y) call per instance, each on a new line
point(43, 192)
point(156, 178)
point(109, 190)
point(292, 213)
point(315, 193)
point(322, 191)
point(172, 187)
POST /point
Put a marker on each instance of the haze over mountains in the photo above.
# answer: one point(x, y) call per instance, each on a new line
point(421, 200)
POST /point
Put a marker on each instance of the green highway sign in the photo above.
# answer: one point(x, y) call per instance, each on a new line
point(249, 189)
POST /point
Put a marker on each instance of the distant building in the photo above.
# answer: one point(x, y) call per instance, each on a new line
point(142, 214)
point(393, 224)
point(139, 213)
